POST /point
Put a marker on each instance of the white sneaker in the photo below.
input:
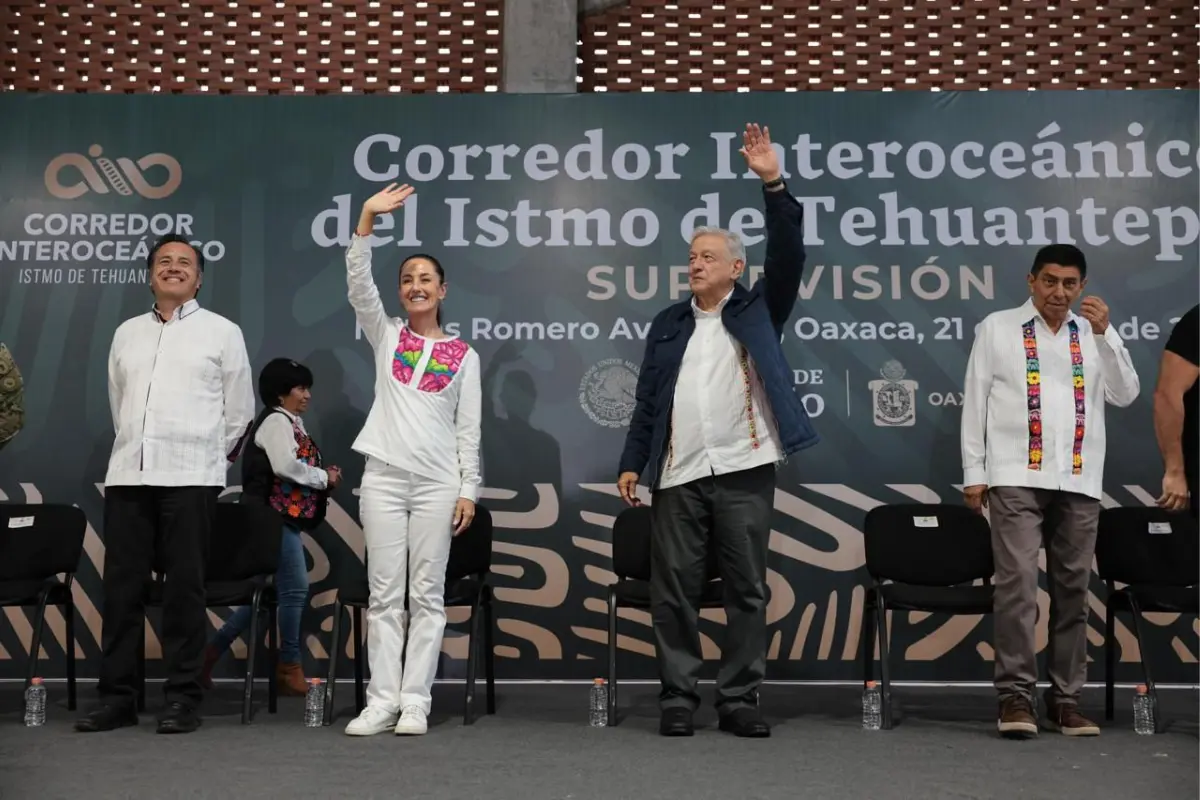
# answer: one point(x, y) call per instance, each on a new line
point(412, 722)
point(371, 721)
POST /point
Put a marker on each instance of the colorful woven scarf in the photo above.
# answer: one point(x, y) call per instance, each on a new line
point(1033, 391)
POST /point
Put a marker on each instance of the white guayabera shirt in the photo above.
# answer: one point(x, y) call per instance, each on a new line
point(181, 397)
point(1033, 405)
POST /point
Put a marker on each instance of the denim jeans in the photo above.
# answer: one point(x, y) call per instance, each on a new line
point(291, 583)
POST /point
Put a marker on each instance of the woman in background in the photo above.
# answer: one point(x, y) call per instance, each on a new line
point(281, 468)
point(421, 442)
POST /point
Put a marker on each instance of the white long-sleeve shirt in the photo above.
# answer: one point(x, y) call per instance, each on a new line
point(428, 408)
point(181, 397)
point(277, 439)
point(721, 419)
point(1004, 380)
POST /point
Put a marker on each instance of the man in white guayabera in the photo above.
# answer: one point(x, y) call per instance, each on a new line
point(182, 399)
point(715, 412)
point(421, 442)
point(1033, 443)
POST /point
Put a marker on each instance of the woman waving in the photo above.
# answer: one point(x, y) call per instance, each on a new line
point(421, 442)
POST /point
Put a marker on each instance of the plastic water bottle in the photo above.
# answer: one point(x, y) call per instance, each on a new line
point(872, 707)
point(598, 705)
point(314, 704)
point(1143, 712)
point(35, 704)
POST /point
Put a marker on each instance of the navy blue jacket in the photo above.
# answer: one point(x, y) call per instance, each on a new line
point(755, 318)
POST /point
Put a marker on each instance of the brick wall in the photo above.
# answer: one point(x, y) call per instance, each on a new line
point(791, 45)
point(370, 46)
point(253, 46)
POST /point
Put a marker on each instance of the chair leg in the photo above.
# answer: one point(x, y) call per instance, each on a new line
point(35, 646)
point(69, 613)
point(251, 654)
point(360, 662)
point(1136, 609)
point(335, 646)
point(1110, 658)
point(141, 668)
point(613, 717)
point(489, 648)
point(272, 658)
point(474, 640)
point(885, 677)
point(867, 631)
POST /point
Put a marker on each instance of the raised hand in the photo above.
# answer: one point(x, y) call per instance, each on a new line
point(388, 200)
point(759, 155)
point(384, 202)
point(1095, 311)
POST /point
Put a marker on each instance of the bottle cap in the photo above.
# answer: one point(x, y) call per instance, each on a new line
point(314, 681)
point(36, 682)
point(871, 684)
point(1141, 689)
point(598, 681)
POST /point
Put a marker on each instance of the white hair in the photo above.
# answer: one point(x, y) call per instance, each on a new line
point(733, 242)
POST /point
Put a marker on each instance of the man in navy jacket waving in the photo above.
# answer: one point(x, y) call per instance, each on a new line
point(715, 412)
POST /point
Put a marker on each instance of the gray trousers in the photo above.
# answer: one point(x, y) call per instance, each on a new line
point(1023, 520)
point(732, 515)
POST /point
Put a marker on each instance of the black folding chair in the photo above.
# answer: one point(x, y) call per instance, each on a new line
point(919, 557)
point(631, 564)
point(467, 584)
point(1156, 553)
point(243, 556)
point(38, 543)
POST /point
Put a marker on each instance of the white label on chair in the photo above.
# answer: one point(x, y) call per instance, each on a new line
point(20, 522)
point(925, 522)
point(1160, 527)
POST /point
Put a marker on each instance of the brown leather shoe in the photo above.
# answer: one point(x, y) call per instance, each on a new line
point(290, 678)
point(1017, 720)
point(1066, 719)
point(211, 656)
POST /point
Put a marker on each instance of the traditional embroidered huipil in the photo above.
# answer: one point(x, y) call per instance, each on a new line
point(282, 468)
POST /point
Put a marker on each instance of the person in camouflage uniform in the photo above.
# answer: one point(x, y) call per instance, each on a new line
point(12, 397)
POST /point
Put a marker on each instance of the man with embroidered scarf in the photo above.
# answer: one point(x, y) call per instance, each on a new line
point(1033, 444)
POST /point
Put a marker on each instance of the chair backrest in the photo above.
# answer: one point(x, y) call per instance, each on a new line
point(38, 541)
point(244, 542)
point(471, 550)
point(631, 536)
point(1148, 547)
point(927, 545)
point(631, 544)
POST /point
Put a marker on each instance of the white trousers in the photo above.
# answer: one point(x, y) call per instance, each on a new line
point(408, 525)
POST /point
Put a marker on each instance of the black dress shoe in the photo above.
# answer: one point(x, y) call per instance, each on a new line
point(676, 722)
point(745, 722)
point(178, 718)
point(107, 717)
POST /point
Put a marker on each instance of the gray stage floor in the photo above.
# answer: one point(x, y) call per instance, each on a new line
point(538, 746)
